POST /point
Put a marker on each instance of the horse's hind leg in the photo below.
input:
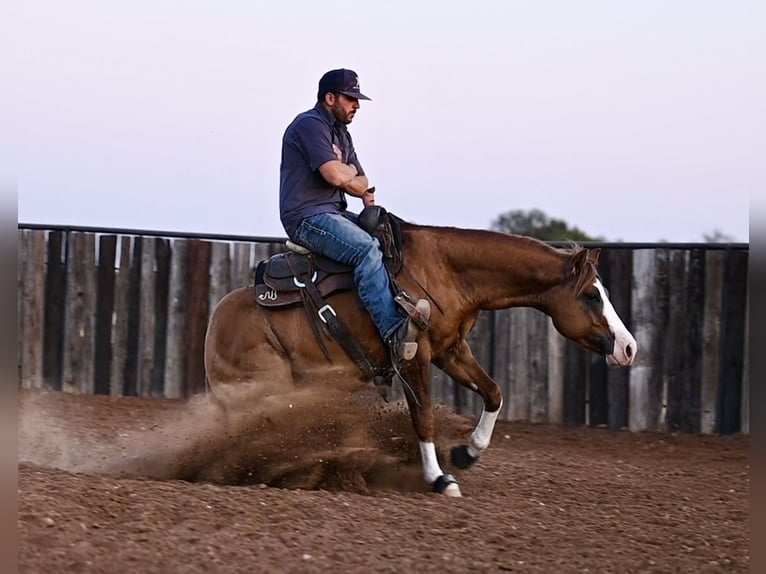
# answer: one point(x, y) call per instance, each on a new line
point(418, 396)
point(461, 365)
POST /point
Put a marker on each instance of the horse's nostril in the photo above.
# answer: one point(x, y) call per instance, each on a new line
point(629, 351)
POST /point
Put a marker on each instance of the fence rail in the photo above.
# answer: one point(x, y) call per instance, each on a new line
point(124, 312)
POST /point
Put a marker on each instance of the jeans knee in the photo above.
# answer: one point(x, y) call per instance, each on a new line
point(371, 256)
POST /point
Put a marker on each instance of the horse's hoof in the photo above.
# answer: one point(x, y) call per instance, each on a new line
point(447, 485)
point(461, 458)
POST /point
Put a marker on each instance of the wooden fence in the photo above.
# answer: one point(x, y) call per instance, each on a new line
point(124, 313)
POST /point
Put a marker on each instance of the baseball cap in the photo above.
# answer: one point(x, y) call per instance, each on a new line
point(342, 81)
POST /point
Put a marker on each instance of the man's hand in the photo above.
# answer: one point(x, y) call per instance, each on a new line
point(368, 198)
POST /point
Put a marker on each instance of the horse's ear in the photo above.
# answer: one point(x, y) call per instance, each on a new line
point(579, 259)
point(593, 255)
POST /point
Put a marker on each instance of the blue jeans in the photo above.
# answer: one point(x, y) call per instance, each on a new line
point(341, 239)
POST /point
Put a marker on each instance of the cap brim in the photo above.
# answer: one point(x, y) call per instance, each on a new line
point(356, 95)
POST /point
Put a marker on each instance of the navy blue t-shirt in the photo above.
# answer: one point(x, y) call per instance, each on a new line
point(307, 144)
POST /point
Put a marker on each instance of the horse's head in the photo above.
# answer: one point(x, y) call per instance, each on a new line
point(581, 311)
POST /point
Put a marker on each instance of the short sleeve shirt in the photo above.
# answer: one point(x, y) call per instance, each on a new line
point(309, 141)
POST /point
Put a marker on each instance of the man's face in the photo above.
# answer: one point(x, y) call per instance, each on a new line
point(343, 108)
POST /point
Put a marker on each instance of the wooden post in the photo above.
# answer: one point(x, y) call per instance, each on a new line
point(107, 250)
point(575, 382)
point(20, 270)
point(32, 297)
point(162, 257)
point(131, 385)
point(175, 364)
point(537, 329)
point(262, 251)
point(649, 316)
point(711, 339)
point(746, 371)
point(120, 322)
point(502, 359)
point(197, 313)
point(518, 380)
point(80, 317)
point(691, 344)
point(674, 338)
point(732, 342)
point(556, 368)
point(220, 272)
point(620, 281)
point(241, 266)
point(274, 247)
point(598, 394)
point(55, 307)
point(146, 318)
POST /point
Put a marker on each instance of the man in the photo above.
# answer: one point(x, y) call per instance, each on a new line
point(319, 167)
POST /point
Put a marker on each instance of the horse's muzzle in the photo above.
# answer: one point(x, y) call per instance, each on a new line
point(623, 354)
point(602, 344)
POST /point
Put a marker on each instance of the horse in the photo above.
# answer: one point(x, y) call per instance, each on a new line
point(462, 272)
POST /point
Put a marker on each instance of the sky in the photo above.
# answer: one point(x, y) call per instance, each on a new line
point(631, 120)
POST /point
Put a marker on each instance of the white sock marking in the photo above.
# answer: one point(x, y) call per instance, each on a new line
point(482, 434)
point(431, 468)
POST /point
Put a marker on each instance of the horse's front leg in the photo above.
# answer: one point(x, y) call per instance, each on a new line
point(417, 391)
point(461, 365)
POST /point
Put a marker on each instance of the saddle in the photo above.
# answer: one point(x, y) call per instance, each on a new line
point(279, 280)
point(299, 276)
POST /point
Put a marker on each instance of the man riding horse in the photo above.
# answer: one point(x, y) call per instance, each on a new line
point(256, 339)
point(319, 167)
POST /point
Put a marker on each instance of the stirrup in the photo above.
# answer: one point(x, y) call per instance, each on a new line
point(404, 344)
point(419, 312)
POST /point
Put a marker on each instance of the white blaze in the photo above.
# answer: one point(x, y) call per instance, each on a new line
point(625, 346)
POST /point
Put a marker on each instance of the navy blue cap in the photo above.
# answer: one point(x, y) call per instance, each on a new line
point(341, 81)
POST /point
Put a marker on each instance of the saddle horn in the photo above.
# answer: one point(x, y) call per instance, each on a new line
point(371, 217)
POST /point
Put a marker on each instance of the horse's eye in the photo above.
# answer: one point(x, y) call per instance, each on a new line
point(593, 296)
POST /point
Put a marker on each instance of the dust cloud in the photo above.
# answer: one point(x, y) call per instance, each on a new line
point(324, 436)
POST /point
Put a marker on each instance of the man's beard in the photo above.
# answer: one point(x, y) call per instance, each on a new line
point(340, 115)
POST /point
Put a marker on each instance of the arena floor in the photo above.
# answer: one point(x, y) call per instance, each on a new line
point(313, 483)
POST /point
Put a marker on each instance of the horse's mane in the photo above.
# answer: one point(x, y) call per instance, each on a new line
point(491, 235)
point(585, 274)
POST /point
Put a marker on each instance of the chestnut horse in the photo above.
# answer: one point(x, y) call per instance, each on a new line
point(462, 271)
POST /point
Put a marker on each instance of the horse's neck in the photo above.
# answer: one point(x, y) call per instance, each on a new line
point(493, 270)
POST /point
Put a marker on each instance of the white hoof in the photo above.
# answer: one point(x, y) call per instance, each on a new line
point(453, 491)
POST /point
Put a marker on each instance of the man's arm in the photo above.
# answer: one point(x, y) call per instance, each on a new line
point(344, 176)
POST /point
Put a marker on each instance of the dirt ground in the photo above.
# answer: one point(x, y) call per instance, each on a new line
point(311, 483)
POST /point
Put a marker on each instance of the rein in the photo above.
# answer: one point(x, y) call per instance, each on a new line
point(423, 289)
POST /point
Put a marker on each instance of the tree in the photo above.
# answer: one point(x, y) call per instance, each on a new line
point(717, 236)
point(535, 223)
